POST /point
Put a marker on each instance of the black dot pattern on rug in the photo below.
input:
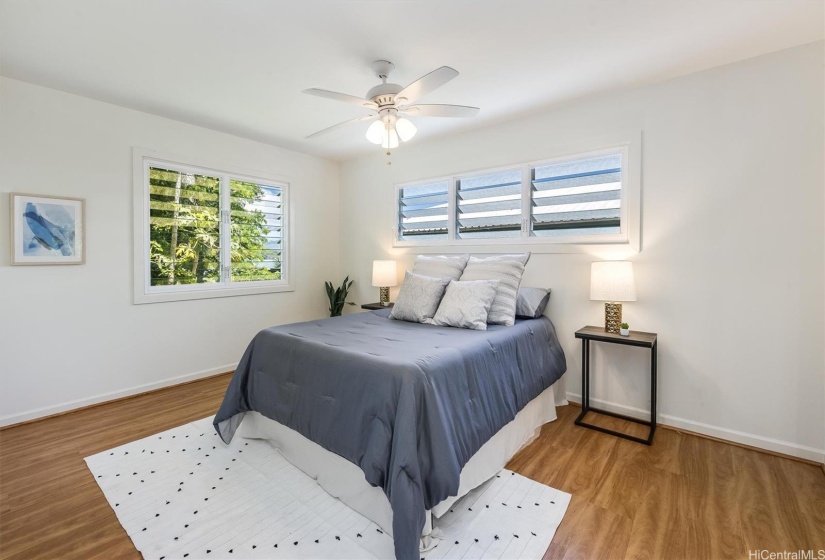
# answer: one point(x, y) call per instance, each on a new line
point(139, 501)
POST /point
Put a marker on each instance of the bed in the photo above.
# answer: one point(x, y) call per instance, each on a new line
point(422, 411)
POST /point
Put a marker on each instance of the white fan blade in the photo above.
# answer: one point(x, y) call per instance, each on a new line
point(351, 121)
point(426, 84)
point(334, 95)
point(440, 111)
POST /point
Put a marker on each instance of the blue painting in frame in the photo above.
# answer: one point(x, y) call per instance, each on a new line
point(47, 229)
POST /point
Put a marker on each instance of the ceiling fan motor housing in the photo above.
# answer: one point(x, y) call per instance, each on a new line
point(384, 94)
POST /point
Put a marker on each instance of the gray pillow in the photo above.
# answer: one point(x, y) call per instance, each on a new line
point(440, 266)
point(418, 298)
point(508, 270)
point(466, 304)
point(531, 302)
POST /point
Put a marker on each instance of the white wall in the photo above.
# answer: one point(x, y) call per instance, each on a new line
point(70, 335)
point(732, 268)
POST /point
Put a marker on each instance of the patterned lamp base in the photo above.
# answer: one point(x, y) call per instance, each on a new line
point(385, 297)
point(612, 317)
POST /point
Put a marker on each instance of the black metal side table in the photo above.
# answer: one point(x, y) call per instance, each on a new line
point(641, 339)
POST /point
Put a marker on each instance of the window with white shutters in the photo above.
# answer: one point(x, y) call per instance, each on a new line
point(489, 205)
point(578, 199)
point(207, 233)
point(423, 211)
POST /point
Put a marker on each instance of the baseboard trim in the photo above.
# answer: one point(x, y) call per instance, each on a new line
point(792, 450)
point(72, 406)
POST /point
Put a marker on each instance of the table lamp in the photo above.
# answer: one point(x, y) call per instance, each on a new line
point(612, 282)
point(384, 275)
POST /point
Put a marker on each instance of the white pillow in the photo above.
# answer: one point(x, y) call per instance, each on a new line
point(440, 266)
point(466, 304)
point(508, 270)
point(418, 298)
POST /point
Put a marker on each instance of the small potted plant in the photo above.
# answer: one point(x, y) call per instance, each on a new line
point(338, 297)
point(624, 330)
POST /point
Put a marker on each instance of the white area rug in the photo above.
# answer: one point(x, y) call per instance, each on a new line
point(184, 494)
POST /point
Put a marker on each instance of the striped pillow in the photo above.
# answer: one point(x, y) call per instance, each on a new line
point(440, 266)
point(508, 270)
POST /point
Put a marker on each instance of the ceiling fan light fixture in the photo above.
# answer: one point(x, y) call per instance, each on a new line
point(376, 132)
point(386, 101)
point(406, 129)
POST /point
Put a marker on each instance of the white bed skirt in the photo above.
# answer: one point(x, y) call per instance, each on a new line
point(345, 480)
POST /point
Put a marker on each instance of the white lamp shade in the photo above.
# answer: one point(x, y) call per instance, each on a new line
point(375, 133)
point(384, 274)
point(406, 129)
point(612, 281)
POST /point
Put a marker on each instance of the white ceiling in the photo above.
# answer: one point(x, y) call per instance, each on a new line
point(239, 66)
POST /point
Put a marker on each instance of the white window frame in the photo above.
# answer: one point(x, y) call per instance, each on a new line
point(629, 145)
point(144, 292)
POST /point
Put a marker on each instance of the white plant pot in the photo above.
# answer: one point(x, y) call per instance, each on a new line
point(624, 332)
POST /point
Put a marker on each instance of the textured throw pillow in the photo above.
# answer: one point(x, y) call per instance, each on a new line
point(508, 270)
point(418, 298)
point(531, 302)
point(440, 266)
point(466, 304)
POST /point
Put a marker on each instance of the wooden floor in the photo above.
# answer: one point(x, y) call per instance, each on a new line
point(684, 497)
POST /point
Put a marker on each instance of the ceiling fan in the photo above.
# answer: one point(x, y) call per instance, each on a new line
point(389, 103)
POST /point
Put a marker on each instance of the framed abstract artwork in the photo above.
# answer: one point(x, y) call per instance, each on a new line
point(47, 229)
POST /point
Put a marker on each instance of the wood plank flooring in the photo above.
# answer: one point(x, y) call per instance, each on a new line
point(684, 497)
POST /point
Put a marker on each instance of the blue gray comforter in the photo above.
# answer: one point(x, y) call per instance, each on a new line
point(406, 402)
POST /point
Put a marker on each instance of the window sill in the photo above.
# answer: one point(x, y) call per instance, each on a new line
point(515, 245)
point(206, 291)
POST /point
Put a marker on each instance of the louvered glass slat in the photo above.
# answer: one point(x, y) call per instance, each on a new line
point(423, 211)
point(184, 228)
point(256, 222)
point(489, 205)
point(581, 197)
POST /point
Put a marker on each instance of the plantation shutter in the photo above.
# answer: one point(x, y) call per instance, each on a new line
point(256, 219)
point(423, 211)
point(489, 205)
point(184, 227)
point(583, 195)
